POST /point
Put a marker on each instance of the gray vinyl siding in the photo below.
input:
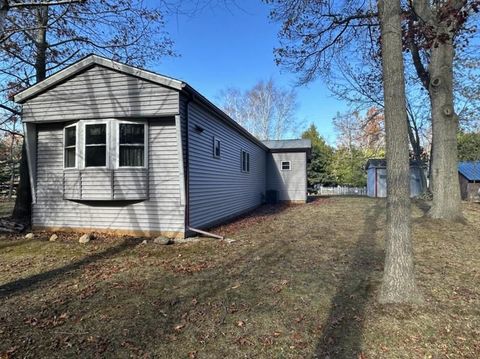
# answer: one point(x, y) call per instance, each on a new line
point(377, 181)
point(101, 93)
point(218, 188)
point(162, 212)
point(106, 184)
point(290, 184)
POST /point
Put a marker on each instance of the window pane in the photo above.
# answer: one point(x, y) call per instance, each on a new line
point(70, 136)
point(70, 157)
point(285, 165)
point(95, 134)
point(131, 156)
point(132, 133)
point(248, 162)
point(95, 156)
point(216, 148)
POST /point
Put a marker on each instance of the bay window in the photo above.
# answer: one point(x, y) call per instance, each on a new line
point(96, 145)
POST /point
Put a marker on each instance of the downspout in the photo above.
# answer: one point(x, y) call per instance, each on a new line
point(187, 176)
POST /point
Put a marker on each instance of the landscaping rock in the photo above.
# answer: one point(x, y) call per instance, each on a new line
point(29, 236)
point(162, 240)
point(53, 238)
point(85, 238)
point(144, 241)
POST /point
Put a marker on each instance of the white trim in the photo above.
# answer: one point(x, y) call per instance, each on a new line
point(117, 143)
point(289, 165)
point(30, 133)
point(181, 170)
point(77, 157)
point(87, 62)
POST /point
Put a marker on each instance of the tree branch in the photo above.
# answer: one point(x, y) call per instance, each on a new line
point(44, 3)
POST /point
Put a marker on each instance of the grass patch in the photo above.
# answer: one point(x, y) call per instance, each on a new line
point(299, 281)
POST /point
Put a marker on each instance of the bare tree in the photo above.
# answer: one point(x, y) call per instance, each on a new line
point(266, 110)
point(398, 285)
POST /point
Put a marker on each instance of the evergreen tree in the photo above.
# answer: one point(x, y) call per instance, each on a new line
point(319, 168)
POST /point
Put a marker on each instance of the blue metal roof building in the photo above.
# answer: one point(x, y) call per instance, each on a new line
point(470, 170)
point(469, 177)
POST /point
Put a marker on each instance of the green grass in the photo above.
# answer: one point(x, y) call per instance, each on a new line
point(299, 281)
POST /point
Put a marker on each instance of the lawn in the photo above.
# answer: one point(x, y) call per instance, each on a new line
point(298, 281)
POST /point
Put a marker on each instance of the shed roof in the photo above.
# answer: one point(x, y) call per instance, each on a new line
point(382, 163)
point(470, 170)
point(303, 144)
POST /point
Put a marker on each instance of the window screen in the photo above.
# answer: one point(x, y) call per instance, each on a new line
point(132, 145)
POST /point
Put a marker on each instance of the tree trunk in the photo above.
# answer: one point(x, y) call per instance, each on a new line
point(445, 186)
point(12, 167)
point(398, 285)
point(3, 15)
point(22, 209)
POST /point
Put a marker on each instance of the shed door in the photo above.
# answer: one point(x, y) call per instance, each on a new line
point(381, 182)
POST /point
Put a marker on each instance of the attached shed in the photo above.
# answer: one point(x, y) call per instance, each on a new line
point(377, 178)
point(469, 177)
point(115, 148)
point(287, 168)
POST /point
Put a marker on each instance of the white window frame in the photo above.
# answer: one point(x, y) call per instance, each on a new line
point(215, 139)
point(145, 142)
point(247, 154)
point(86, 123)
point(289, 165)
point(77, 157)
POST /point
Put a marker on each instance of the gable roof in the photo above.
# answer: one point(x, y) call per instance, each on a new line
point(92, 60)
point(470, 170)
point(88, 62)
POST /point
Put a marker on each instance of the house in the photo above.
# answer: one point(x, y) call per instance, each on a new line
point(377, 178)
point(469, 177)
point(115, 148)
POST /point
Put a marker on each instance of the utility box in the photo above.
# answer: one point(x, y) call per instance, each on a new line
point(272, 196)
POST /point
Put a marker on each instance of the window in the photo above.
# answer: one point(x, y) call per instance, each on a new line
point(216, 147)
point(286, 166)
point(96, 145)
point(245, 161)
point(70, 143)
point(131, 145)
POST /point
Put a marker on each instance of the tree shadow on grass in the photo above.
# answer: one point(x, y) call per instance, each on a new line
point(70, 270)
point(342, 334)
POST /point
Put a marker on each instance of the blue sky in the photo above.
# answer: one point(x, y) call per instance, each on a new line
point(222, 47)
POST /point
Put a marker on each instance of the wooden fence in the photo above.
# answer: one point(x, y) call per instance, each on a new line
point(342, 191)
